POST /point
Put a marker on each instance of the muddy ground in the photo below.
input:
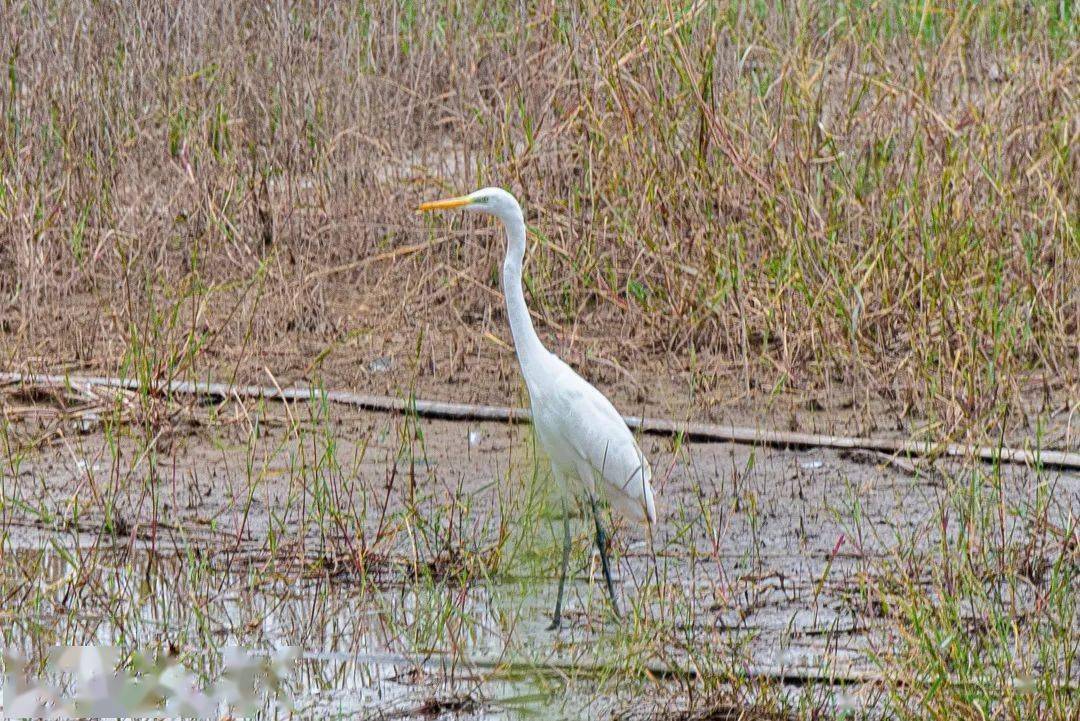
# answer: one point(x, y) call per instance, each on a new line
point(771, 559)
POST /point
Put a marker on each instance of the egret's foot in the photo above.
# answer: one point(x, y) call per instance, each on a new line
point(555, 625)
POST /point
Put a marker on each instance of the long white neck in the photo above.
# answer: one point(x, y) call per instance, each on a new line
point(529, 349)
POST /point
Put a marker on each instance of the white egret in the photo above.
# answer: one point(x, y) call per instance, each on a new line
point(583, 435)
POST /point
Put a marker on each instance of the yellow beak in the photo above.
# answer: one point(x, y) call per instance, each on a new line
point(445, 204)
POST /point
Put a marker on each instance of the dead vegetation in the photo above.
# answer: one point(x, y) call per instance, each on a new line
point(872, 206)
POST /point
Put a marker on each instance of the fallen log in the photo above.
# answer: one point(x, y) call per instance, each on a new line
point(694, 431)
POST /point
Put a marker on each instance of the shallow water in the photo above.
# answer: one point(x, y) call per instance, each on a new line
point(391, 652)
point(767, 559)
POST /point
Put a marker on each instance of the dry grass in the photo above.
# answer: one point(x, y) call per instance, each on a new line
point(877, 202)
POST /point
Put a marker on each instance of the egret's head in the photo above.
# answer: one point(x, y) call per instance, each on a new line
point(493, 201)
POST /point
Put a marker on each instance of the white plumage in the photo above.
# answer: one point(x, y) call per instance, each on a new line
point(588, 441)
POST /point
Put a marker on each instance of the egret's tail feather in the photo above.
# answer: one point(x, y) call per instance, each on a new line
point(635, 501)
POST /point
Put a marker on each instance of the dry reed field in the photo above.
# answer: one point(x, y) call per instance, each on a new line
point(851, 218)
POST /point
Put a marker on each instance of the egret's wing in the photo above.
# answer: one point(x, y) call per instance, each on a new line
point(588, 423)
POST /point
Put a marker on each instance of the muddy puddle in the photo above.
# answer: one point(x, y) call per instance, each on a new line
point(374, 653)
point(414, 562)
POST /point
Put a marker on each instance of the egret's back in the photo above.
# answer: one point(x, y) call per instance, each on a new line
point(587, 438)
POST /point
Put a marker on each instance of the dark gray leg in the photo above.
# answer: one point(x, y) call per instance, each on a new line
point(557, 616)
point(601, 543)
